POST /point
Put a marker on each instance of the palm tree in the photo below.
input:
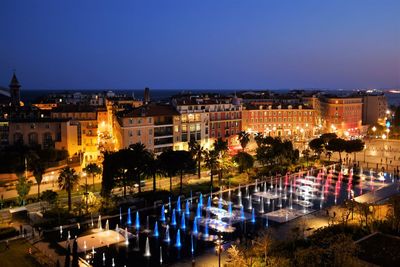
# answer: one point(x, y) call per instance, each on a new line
point(140, 158)
point(211, 160)
point(259, 138)
point(168, 165)
point(92, 169)
point(244, 139)
point(66, 181)
point(220, 145)
point(197, 152)
point(38, 170)
point(184, 164)
point(152, 169)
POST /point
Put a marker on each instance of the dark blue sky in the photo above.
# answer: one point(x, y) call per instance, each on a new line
point(55, 44)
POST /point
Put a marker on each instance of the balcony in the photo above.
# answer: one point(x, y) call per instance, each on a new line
point(163, 141)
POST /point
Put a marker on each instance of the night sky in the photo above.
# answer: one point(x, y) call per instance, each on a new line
point(188, 44)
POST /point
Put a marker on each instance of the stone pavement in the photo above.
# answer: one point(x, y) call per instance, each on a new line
point(379, 194)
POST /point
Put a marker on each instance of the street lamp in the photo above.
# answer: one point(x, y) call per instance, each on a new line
point(86, 191)
point(218, 248)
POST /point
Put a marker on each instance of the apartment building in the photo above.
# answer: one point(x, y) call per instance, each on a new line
point(341, 114)
point(154, 125)
point(296, 122)
point(85, 118)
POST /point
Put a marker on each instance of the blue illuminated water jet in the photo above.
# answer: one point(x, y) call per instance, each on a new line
point(137, 223)
point(206, 229)
point(242, 213)
point(192, 247)
point(173, 219)
point(201, 199)
point(155, 234)
point(178, 239)
point(129, 220)
point(187, 208)
point(198, 212)
point(220, 203)
point(162, 213)
point(183, 222)
point(195, 231)
point(169, 203)
point(253, 217)
point(178, 204)
point(167, 238)
point(209, 202)
point(230, 208)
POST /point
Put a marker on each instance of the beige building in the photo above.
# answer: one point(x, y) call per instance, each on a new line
point(85, 119)
point(154, 125)
point(374, 108)
point(46, 133)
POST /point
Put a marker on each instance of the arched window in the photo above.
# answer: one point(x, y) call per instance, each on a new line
point(32, 139)
point(48, 140)
point(18, 138)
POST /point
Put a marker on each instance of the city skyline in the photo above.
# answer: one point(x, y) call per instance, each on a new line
point(206, 45)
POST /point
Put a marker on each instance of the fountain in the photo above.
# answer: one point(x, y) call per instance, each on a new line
point(194, 230)
point(169, 203)
point(113, 263)
point(266, 221)
point(104, 258)
point(256, 186)
point(61, 231)
point(137, 222)
point(191, 243)
point(178, 204)
point(239, 194)
point(183, 222)
point(271, 186)
point(198, 212)
point(99, 223)
point(247, 191)
point(137, 245)
point(173, 218)
point(187, 209)
point(209, 202)
point(178, 239)
point(230, 209)
point(261, 206)
point(120, 215)
point(253, 217)
point(265, 187)
point(129, 220)
point(84, 246)
point(220, 202)
point(161, 260)
point(93, 251)
point(107, 226)
point(240, 201)
point(147, 249)
point(250, 205)
point(200, 200)
point(69, 235)
point(205, 235)
point(242, 213)
point(162, 218)
point(155, 233)
point(167, 238)
point(126, 237)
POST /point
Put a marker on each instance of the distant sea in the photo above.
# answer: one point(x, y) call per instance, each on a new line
point(29, 96)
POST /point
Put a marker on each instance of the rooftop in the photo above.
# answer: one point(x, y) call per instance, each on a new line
point(149, 110)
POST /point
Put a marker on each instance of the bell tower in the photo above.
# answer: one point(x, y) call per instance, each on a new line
point(14, 92)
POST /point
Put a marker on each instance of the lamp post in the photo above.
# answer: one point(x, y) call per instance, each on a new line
point(218, 248)
point(86, 191)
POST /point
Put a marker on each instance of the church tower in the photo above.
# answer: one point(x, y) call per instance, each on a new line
point(14, 92)
point(146, 98)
